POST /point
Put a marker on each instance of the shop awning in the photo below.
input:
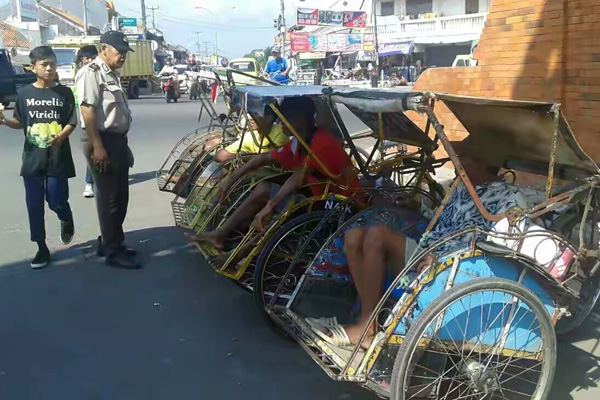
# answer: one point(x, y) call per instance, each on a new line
point(390, 49)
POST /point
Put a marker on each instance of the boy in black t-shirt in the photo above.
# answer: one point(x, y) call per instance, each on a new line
point(45, 111)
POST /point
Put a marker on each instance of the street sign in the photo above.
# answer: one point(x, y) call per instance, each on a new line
point(129, 26)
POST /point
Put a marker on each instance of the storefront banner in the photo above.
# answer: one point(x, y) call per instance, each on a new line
point(389, 49)
point(341, 42)
point(317, 43)
point(369, 42)
point(299, 42)
point(331, 18)
point(312, 56)
point(307, 17)
point(355, 19)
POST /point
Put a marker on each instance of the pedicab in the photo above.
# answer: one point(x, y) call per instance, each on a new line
point(477, 321)
point(193, 153)
point(332, 206)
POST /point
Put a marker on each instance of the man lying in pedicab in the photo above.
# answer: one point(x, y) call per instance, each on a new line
point(380, 247)
point(268, 198)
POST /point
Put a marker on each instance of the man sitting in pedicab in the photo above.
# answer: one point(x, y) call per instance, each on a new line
point(382, 243)
point(265, 135)
point(268, 198)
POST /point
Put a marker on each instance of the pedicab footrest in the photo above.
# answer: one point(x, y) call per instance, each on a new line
point(162, 179)
point(179, 214)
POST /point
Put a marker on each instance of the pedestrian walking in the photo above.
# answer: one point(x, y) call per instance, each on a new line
point(106, 120)
point(45, 110)
point(86, 55)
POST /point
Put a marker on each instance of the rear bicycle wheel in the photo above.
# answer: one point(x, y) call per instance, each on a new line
point(273, 266)
point(484, 339)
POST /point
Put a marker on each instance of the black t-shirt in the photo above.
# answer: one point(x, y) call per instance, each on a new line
point(44, 113)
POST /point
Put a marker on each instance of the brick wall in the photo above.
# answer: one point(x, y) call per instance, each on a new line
point(544, 50)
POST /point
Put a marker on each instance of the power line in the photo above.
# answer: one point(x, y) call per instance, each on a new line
point(153, 8)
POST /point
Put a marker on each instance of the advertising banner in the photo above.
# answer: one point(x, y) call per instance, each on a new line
point(317, 43)
point(355, 19)
point(331, 18)
point(27, 10)
point(307, 17)
point(389, 49)
point(369, 42)
point(299, 42)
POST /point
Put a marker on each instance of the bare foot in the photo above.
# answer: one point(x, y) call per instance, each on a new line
point(215, 239)
point(354, 332)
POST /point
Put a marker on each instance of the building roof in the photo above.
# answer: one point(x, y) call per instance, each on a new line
point(65, 16)
point(12, 37)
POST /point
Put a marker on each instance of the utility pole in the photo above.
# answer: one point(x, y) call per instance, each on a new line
point(85, 18)
point(375, 78)
point(143, 17)
point(198, 33)
point(205, 43)
point(217, 46)
point(153, 8)
point(283, 28)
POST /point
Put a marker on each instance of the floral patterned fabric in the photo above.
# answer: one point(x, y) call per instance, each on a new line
point(461, 213)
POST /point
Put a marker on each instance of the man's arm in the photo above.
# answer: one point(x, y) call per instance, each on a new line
point(289, 187)
point(88, 91)
point(287, 69)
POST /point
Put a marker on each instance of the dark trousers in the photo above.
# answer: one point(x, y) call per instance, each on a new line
point(88, 177)
point(55, 190)
point(111, 189)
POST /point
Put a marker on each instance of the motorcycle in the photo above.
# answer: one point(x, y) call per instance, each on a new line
point(170, 87)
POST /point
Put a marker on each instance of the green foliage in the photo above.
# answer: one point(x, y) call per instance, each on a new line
point(262, 61)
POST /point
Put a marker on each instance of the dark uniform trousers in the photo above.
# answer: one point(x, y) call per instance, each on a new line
point(111, 188)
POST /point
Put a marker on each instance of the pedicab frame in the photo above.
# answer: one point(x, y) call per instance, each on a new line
point(254, 100)
point(535, 131)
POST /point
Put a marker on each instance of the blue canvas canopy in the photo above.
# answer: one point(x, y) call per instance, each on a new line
point(365, 104)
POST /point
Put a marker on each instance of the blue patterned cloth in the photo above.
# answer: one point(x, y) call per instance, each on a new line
point(461, 213)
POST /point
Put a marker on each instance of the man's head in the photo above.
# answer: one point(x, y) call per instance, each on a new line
point(43, 63)
point(265, 123)
point(300, 113)
point(86, 55)
point(114, 49)
point(479, 172)
point(169, 62)
point(276, 53)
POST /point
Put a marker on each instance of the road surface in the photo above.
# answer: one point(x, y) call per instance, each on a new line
point(175, 330)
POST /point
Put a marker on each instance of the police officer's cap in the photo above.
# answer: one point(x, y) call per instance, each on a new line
point(116, 39)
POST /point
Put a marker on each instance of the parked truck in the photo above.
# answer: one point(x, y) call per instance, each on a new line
point(136, 74)
point(11, 79)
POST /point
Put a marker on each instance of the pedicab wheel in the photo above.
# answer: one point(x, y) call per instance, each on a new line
point(581, 309)
point(487, 362)
point(277, 255)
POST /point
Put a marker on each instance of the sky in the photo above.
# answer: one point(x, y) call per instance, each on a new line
point(240, 25)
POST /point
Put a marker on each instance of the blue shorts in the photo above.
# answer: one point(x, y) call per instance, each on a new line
point(281, 207)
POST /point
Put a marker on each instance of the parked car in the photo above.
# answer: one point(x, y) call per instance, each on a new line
point(12, 77)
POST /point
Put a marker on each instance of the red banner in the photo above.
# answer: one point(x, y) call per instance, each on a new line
point(307, 17)
point(299, 42)
point(355, 19)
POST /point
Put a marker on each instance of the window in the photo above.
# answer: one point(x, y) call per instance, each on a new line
point(387, 8)
point(242, 66)
point(416, 7)
point(472, 6)
point(65, 56)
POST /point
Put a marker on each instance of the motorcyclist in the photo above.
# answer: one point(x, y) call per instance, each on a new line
point(168, 69)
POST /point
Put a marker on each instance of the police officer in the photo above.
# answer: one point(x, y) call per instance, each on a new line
point(106, 120)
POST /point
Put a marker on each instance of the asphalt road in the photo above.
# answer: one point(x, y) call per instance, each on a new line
point(175, 330)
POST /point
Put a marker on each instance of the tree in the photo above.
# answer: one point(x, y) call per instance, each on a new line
point(262, 61)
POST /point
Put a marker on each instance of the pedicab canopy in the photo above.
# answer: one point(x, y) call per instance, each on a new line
point(519, 135)
point(367, 105)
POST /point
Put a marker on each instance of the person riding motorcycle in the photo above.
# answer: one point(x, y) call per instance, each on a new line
point(168, 69)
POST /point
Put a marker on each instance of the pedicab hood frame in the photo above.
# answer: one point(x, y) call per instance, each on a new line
point(382, 111)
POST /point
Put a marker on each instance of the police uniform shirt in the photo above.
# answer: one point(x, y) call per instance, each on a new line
point(99, 87)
